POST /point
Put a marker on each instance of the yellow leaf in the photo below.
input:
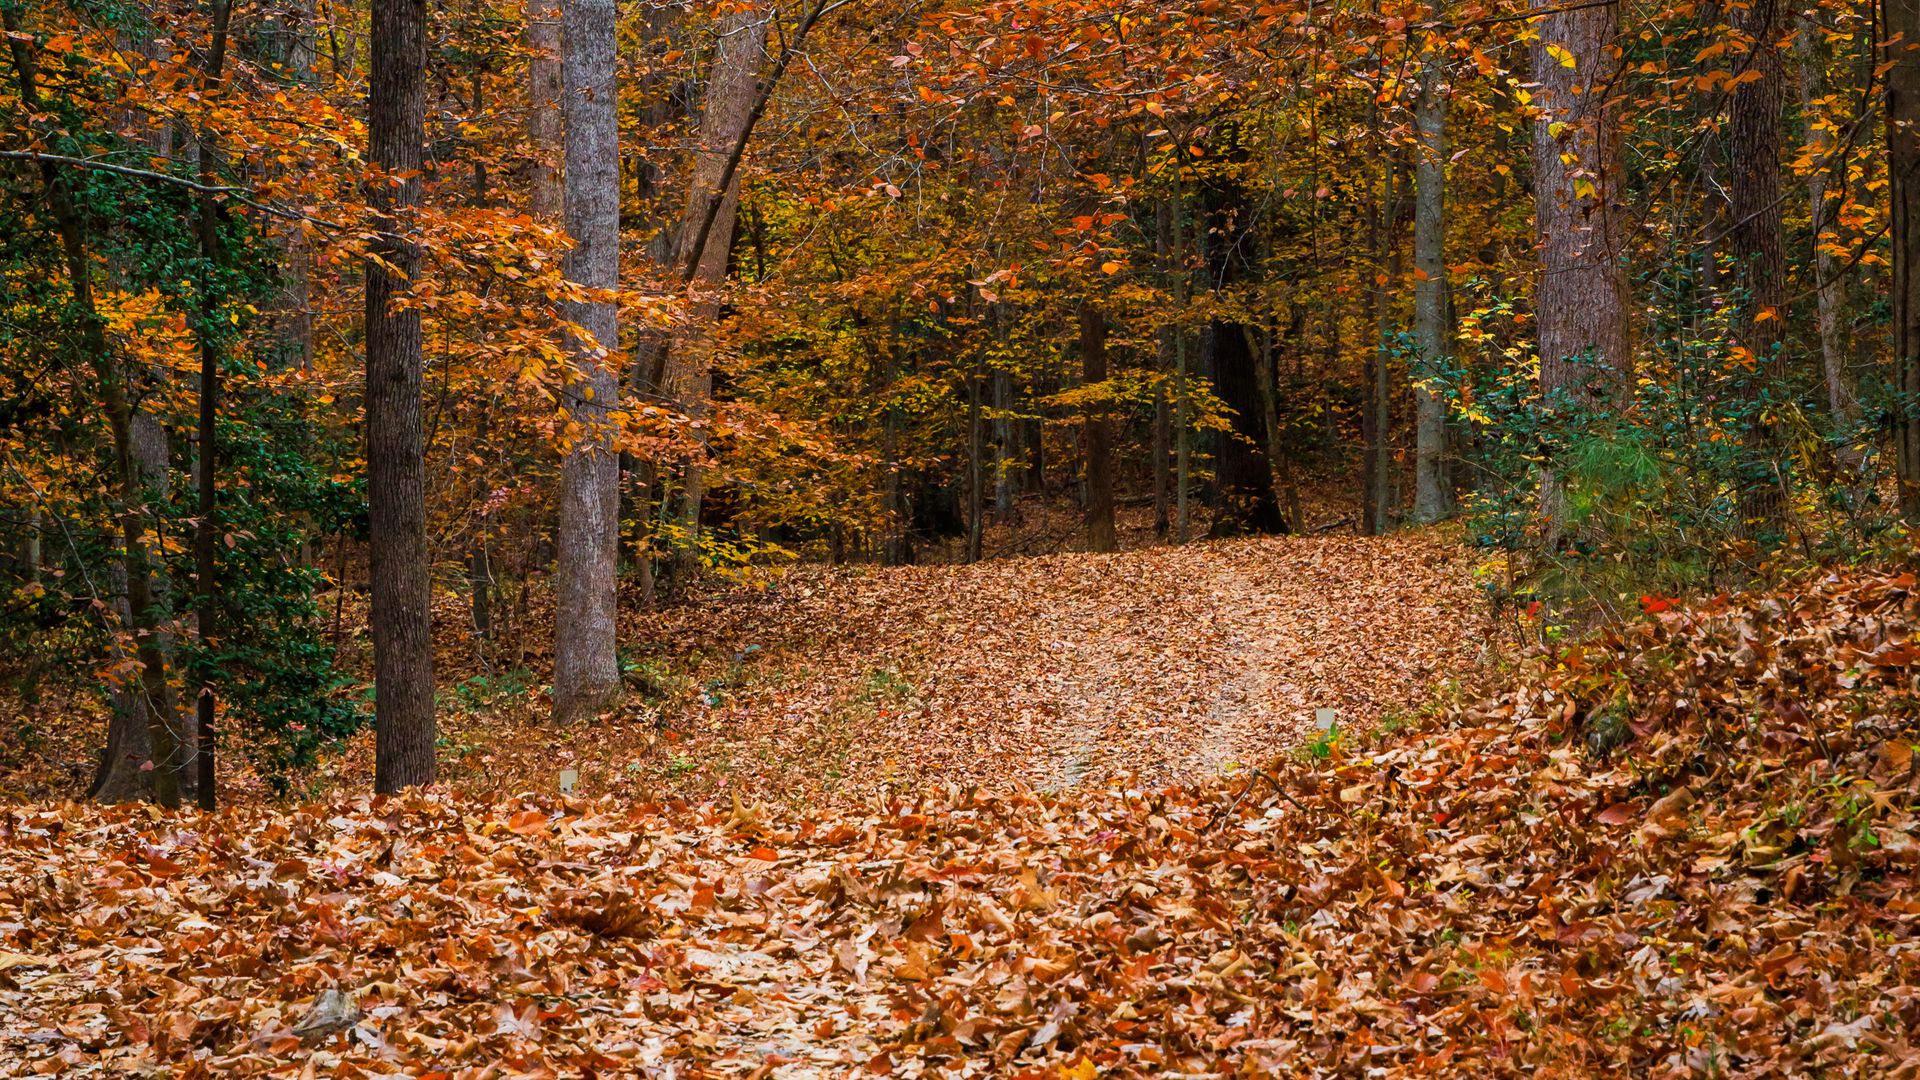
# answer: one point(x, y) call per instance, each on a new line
point(1561, 56)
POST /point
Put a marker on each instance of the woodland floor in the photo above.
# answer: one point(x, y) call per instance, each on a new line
point(1166, 663)
point(1686, 847)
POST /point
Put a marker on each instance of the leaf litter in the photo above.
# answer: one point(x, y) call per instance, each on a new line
point(1683, 848)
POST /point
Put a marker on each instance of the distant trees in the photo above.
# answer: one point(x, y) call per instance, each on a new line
point(907, 275)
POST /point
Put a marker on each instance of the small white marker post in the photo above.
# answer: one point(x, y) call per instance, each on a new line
point(568, 778)
point(1323, 719)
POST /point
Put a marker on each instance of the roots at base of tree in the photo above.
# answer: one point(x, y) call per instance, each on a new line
point(1242, 514)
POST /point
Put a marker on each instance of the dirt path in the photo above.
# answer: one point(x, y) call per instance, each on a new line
point(1169, 664)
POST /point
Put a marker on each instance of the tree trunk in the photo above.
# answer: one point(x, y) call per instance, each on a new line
point(396, 462)
point(976, 468)
point(1758, 248)
point(1377, 470)
point(1581, 301)
point(1182, 394)
point(1431, 499)
point(130, 505)
point(688, 373)
point(544, 122)
point(1280, 470)
point(586, 664)
point(1162, 411)
point(1900, 20)
point(1003, 437)
point(1101, 535)
point(1843, 399)
point(202, 739)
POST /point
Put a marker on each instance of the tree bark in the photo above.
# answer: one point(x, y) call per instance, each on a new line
point(1758, 247)
point(1101, 534)
point(1581, 301)
point(1376, 511)
point(1003, 436)
point(705, 240)
point(1900, 20)
point(396, 461)
point(586, 665)
point(205, 545)
point(1843, 399)
point(547, 199)
point(1431, 499)
point(1182, 393)
point(976, 468)
point(130, 504)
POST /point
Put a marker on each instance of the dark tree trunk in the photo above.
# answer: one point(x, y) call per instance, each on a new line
point(1901, 24)
point(976, 469)
point(1758, 248)
point(205, 546)
point(1099, 441)
point(1244, 500)
point(1376, 512)
point(396, 462)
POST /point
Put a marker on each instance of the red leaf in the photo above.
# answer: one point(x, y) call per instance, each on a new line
point(1618, 814)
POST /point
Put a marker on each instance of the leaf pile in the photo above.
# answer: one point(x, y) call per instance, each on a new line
point(1684, 849)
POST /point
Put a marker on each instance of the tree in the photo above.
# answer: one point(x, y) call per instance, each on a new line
point(545, 43)
point(1581, 300)
point(1901, 20)
point(205, 544)
point(1843, 397)
point(1431, 499)
point(1757, 248)
point(396, 461)
point(586, 665)
point(705, 237)
point(1099, 439)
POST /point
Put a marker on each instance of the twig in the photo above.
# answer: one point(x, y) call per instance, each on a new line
point(238, 194)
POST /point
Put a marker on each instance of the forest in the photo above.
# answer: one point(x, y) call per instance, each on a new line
point(1029, 538)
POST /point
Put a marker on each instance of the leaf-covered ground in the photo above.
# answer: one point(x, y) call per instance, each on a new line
point(1687, 849)
point(1167, 663)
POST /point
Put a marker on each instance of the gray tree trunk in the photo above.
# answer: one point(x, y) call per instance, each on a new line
point(586, 668)
point(1003, 436)
point(1582, 298)
point(1431, 499)
point(1843, 400)
point(547, 200)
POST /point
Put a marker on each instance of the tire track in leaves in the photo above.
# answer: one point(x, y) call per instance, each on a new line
point(1166, 664)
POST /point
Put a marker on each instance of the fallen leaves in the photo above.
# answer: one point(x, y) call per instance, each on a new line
point(1728, 891)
